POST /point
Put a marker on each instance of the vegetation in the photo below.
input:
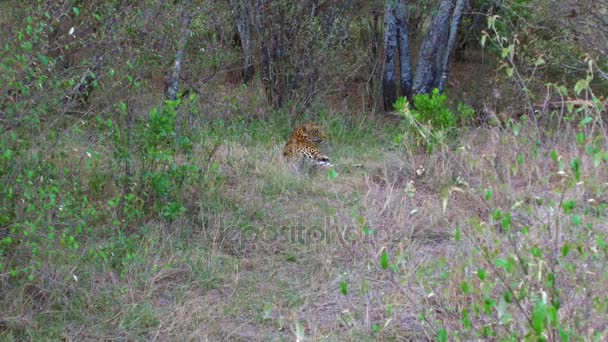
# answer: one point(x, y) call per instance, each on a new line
point(144, 195)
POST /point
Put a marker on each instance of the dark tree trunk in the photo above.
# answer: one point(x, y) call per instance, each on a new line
point(389, 89)
point(404, 48)
point(451, 43)
point(432, 49)
point(240, 9)
point(269, 54)
point(374, 61)
point(172, 82)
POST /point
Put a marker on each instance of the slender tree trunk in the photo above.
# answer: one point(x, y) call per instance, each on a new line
point(451, 43)
point(172, 83)
point(389, 89)
point(269, 54)
point(240, 9)
point(374, 62)
point(427, 72)
point(404, 48)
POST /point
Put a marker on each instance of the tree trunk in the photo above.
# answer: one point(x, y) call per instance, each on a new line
point(374, 62)
point(404, 48)
point(172, 83)
point(451, 43)
point(389, 90)
point(240, 10)
point(427, 69)
point(268, 53)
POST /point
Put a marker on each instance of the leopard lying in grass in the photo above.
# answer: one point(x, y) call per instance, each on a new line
point(302, 145)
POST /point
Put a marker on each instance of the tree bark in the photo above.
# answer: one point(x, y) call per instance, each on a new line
point(427, 69)
point(268, 54)
point(451, 43)
point(240, 10)
point(172, 83)
point(404, 48)
point(389, 90)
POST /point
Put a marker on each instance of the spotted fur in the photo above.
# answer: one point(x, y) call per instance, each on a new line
point(304, 143)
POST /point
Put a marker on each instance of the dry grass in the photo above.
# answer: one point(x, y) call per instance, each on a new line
point(263, 253)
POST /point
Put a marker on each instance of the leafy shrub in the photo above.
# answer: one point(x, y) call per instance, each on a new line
point(433, 109)
point(159, 162)
point(429, 122)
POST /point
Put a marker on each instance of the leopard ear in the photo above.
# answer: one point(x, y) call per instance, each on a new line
point(304, 131)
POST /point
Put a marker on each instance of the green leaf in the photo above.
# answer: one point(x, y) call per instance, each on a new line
point(570, 107)
point(550, 280)
point(488, 195)
point(576, 220)
point(554, 156)
point(464, 286)
point(267, 311)
point(344, 288)
point(384, 260)
point(43, 59)
point(539, 315)
point(481, 274)
point(504, 263)
point(581, 85)
point(507, 296)
point(565, 250)
point(442, 335)
point(539, 61)
point(575, 164)
point(466, 320)
point(580, 138)
point(332, 174)
point(496, 214)
point(586, 120)
point(492, 21)
point(508, 51)
point(506, 222)
point(376, 328)
point(488, 305)
point(458, 235)
point(509, 72)
point(568, 206)
point(76, 11)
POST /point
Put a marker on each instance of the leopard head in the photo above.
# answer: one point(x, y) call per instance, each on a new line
point(311, 132)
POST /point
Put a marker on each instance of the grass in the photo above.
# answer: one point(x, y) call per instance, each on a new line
point(263, 254)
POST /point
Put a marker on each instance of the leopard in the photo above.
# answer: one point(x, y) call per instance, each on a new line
point(303, 144)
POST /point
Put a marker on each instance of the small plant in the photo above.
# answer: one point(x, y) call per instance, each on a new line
point(429, 122)
point(163, 164)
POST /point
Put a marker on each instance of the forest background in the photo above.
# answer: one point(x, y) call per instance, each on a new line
point(144, 195)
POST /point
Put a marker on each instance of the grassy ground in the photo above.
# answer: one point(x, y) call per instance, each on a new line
point(263, 254)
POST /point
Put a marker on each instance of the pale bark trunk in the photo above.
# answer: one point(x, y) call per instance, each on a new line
point(243, 24)
point(451, 44)
point(427, 72)
point(173, 81)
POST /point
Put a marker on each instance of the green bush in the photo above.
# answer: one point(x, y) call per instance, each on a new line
point(429, 122)
point(433, 109)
